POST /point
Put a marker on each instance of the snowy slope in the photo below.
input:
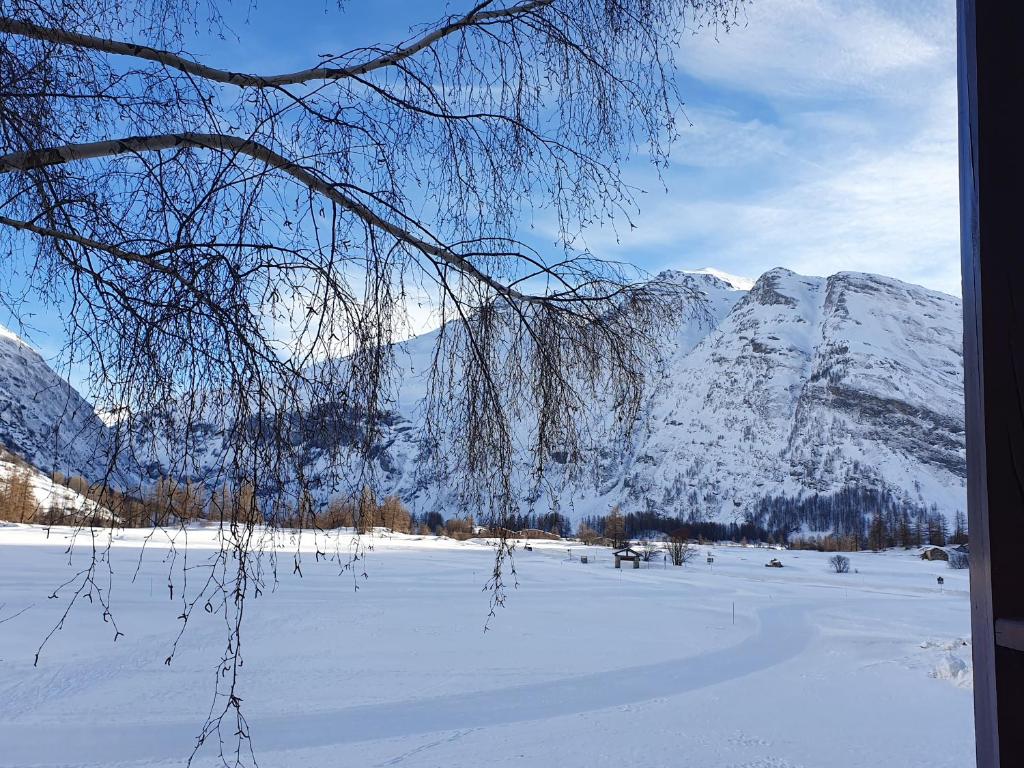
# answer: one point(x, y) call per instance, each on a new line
point(46, 493)
point(735, 666)
point(736, 281)
point(797, 386)
point(818, 383)
point(800, 385)
point(406, 471)
point(42, 418)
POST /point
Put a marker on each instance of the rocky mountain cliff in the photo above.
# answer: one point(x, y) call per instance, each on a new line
point(43, 420)
point(815, 385)
point(788, 388)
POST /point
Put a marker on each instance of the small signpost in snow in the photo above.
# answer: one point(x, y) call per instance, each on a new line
point(941, 582)
point(711, 561)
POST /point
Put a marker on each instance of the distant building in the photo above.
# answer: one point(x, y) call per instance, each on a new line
point(626, 553)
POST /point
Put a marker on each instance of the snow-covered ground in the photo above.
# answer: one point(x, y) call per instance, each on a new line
point(47, 493)
point(585, 665)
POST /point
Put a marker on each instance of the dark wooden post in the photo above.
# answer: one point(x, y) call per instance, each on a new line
point(991, 74)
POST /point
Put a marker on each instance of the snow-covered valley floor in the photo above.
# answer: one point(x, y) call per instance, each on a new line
point(584, 666)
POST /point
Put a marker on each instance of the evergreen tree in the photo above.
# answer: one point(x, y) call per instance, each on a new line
point(903, 533)
point(920, 529)
point(220, 504)
point(877, 533)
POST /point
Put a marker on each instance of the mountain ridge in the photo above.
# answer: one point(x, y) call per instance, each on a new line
point(796, 386)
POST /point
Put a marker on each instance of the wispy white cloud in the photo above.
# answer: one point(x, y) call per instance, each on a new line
point(824, 139)
point(799, 48)
point(721, 138)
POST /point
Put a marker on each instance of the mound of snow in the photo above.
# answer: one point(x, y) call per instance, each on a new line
point(955, 669)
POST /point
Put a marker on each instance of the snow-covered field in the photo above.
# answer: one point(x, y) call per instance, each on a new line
point(585, 665)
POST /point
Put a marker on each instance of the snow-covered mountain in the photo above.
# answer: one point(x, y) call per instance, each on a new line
point(809, 385)
point(786, 387)
point(43, 419)
point(797, 386)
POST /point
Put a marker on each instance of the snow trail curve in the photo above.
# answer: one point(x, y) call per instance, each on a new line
point(783, 632)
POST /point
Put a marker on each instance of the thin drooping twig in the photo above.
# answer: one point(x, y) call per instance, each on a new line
point(237, 253)
point(34, 159)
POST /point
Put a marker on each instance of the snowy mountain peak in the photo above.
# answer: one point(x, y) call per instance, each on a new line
point(796, 390)
point(735, 281)
point(792, 389)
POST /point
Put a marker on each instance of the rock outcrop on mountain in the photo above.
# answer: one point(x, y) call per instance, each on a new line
point(792, 387)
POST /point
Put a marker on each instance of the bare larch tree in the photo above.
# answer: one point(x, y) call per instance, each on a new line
point(240, 248)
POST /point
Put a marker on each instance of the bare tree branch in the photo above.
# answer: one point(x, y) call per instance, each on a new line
point(26, 161)
point(477, 16)
point(236, 265)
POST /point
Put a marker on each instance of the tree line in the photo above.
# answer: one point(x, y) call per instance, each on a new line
point(630, 526)
point(172, 502)
point(858, 518)
point(849, 520)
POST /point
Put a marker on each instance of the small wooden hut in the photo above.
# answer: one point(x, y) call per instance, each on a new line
point(626, 553)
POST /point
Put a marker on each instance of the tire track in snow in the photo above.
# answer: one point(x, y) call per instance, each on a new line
point(783, 632)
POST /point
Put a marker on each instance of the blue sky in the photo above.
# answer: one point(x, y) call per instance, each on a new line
point(821, 136)
point(823, 139)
